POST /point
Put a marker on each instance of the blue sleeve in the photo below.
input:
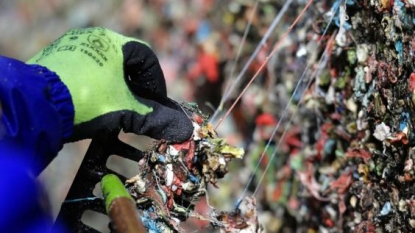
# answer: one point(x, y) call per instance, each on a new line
point(23, 203)
point(36, 114)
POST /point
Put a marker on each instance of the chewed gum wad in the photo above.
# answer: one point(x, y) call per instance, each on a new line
point(172, 177)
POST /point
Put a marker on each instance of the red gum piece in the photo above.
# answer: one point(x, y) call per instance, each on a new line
point(325, 128)
point(412, 82)
point(265, 119)
point(170, 203)
point(360, 153)
point(178, 183)
point(334, 73)
point(190, 155)
point(190, 147)
point(185, 145)
point(342, 183)
point(329, 222)
point(320, 144)
point(169, 194)
point(277, 193)
point(198, 119)
point(178, 190)
point(400, 137)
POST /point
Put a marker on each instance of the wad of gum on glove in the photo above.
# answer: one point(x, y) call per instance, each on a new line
point(173, 177)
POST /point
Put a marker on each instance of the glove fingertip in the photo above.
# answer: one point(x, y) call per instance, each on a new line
point(179, 131)
point(162, 123)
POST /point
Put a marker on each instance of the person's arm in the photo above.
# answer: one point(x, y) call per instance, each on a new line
point(37, 113)
point(36, 116)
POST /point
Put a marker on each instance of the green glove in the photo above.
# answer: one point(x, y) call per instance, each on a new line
point(115, 83)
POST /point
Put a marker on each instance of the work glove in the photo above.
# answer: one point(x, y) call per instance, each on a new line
point(115, 82)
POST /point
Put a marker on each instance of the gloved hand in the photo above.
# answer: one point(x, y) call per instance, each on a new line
point(108, 76)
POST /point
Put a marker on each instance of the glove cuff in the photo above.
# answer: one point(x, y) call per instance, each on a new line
point(60, 98)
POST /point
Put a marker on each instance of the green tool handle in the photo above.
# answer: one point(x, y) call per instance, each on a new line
point(120, 206)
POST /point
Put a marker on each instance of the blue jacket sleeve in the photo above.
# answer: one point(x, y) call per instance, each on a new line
point(36, 113)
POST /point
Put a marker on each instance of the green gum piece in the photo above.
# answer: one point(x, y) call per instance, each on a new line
point(113, 188)
point(234, 151)
point(224, 148)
